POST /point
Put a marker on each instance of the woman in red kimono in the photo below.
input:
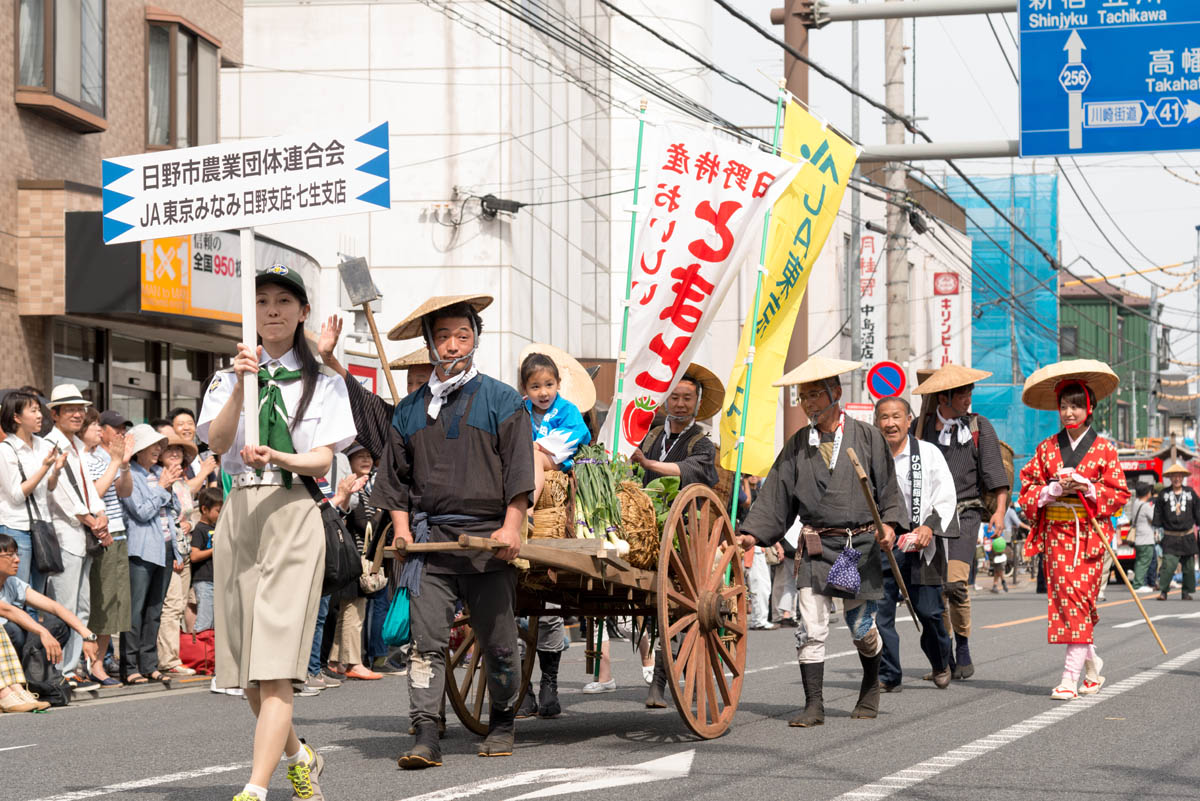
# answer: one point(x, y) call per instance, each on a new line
point(1073, 477)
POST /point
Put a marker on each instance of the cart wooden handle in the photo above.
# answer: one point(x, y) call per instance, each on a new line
point(1108, 547)
point(465, 543)
point(866, 489)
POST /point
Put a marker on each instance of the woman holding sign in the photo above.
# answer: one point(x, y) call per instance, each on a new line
point(269, 555)
point(1073, 478)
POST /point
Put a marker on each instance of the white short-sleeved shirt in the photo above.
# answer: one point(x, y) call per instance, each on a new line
point(14, 513)
point(327, 421)
point(13, 592)
point(72, 499)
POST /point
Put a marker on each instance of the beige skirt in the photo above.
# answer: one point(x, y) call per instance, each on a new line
point(268, 563)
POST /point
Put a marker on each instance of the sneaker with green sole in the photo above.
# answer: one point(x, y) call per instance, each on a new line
point(304, 777)
point(244, 796)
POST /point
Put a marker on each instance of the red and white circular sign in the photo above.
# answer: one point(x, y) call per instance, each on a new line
point(945, 283)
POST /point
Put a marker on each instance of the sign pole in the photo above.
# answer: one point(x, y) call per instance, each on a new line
point(637, 180)
point(762, 270)
point(249, 333)
point(383, 359)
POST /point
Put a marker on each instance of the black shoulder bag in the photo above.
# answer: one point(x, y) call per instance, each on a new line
point(92, 545)
point(343, 564)
point(47, 552)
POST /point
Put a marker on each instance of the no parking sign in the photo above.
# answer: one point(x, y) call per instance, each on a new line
point(886, 380)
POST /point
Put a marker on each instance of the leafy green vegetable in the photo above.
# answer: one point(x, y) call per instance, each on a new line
point(662, 492)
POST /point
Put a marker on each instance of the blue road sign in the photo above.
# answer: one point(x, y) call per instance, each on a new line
point(1109, 76)
point(886, 380)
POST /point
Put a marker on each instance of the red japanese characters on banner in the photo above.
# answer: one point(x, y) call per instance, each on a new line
point(872, 306)
point(706, 194)
point(945, 288)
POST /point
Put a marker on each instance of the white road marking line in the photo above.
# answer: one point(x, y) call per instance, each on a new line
point(17, 747)
point(154, 781)
point(903, 779)
point(790, 664)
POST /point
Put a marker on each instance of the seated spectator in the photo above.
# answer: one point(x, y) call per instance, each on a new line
point(149, 525)
point(17, 596)
point(29, 469)
point(106, 459)
point(14, 695)
point(210, 502)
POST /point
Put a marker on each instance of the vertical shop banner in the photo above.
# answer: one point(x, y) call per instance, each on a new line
point(873, 305)
point(943, 317)
point(800, 223)
point(706, 196)
point(241, 184)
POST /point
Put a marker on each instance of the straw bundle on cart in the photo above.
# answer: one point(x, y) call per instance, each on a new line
point(550, 517)
point(640, 524)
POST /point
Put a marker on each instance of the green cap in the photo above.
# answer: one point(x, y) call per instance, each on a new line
point(285, 277)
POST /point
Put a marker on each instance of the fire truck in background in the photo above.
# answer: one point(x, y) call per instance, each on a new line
point(1139, 468)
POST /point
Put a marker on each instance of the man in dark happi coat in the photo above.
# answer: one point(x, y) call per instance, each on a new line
point(812, 479)
point(972, 451)
point(459, 461)
point(1177, 513)
point(682, 448)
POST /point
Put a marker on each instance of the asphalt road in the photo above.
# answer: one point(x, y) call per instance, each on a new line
point(995, 736)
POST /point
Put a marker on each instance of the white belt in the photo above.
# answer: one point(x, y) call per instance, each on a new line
point(269, 478)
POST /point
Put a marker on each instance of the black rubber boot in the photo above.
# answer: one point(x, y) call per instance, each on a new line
point(813, 676)
point(656, 698)
point(868, 694)
point(502, 732)
point(528, 707)
point(426, 752)
point(547, 703)
point(962, 659)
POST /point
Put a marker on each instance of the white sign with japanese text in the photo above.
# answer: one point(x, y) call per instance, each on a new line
point(245, 183)
point(708, 197)
point(943, 317)
point(872, 285)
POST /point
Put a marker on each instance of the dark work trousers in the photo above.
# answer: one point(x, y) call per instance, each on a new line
point(935, 642)
point(489, 598)
point(148, 585)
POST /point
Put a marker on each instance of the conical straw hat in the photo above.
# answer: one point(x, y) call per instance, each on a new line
point(575, 383)
point(712, 396)
point(1041, 388)
point(410, 327)
point(418, 358)
point(816, 368)
point(1176, 469)
point(950, 377)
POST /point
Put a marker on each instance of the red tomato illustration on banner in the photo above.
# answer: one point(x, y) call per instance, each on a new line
point(636, 422)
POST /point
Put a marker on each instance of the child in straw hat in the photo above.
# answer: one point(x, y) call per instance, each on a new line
point(1073, 478)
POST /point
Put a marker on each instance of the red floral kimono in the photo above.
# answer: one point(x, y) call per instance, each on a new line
point(1061, 531)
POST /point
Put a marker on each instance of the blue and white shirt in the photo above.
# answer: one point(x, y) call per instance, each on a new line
point(96, 462)
point(560, 431)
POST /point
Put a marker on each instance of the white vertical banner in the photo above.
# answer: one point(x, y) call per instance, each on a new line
point(873, 305)
point(707, 200)
point(944, 319)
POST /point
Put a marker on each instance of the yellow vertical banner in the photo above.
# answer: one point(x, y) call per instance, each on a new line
point(800, 223)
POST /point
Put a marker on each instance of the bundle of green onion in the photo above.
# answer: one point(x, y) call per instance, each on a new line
point(597, 507)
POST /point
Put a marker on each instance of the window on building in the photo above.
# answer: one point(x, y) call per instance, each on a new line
point(1120, 339)
point(181, 87)
point(61, 56)
point(1124, 434)
point(1068, 341)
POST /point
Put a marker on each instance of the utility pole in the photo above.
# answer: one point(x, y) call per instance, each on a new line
point(796, 73)
point(854, 257)
point(898, 324)
point(1152, 392)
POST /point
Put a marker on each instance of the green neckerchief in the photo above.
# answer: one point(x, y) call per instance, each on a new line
point(272, 414)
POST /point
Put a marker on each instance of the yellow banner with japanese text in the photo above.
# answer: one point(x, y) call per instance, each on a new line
point(800, 223)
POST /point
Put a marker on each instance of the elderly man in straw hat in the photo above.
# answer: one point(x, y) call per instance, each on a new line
point(814, 480)
point(681, 447)
point(1177, 513)
point(972, 451)
point(459, 461)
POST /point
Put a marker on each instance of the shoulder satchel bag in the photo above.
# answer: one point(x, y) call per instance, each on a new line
point(91, 542)
point(47, 552)
point(343, 564)
point(374, 578)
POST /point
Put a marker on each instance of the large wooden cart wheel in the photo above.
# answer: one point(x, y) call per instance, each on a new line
point(701, 618)
point(466, 674)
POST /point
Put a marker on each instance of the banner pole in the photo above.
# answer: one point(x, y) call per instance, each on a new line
point(249, 334)
point(762, 257)
point(637, 180)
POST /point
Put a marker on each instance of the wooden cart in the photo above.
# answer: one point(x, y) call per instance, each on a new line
point(700, 614)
